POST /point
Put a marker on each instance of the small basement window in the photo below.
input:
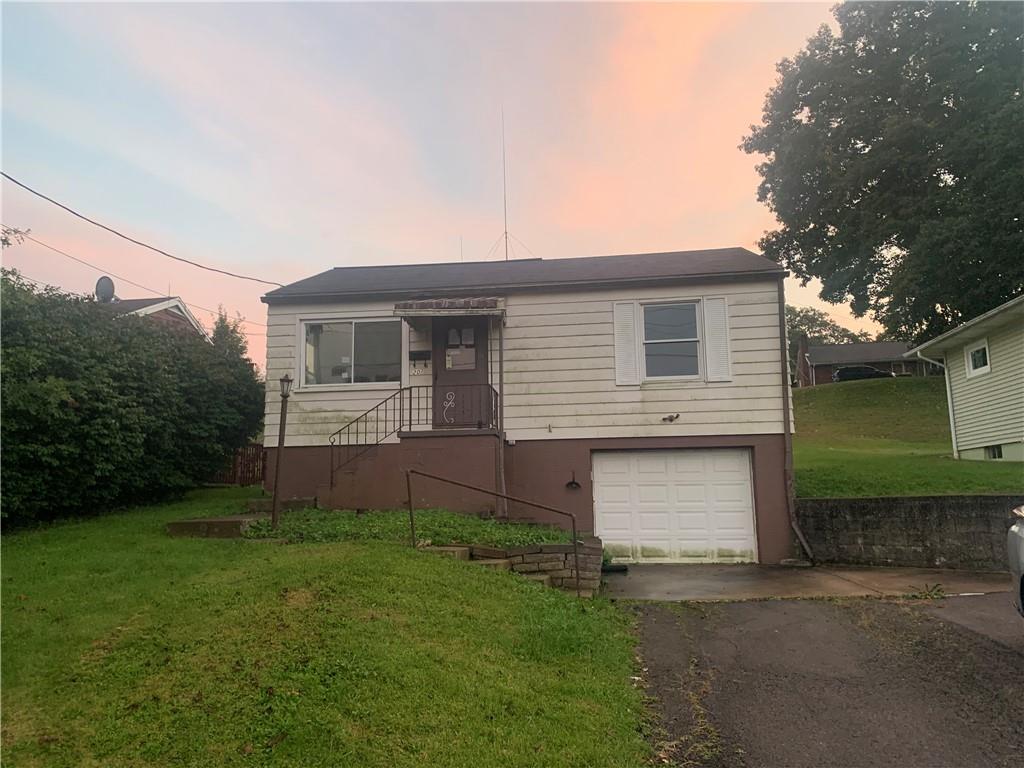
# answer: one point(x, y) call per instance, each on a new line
point(671, 340)
point(976, 355)
point(352, 352)
point(993, 451)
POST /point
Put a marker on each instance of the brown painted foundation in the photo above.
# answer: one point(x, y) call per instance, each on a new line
point(539, 470)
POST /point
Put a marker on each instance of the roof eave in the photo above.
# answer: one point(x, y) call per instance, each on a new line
point(286, 298)
point(949, 338)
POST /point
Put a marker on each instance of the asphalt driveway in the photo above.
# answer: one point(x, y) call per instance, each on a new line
point(844, 683)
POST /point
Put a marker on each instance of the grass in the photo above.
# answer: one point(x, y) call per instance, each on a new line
point(439, 527)
point(885, 437)
point(124, 647)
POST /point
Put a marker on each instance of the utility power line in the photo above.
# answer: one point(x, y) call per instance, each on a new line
point(123, 236)
point(125, 279)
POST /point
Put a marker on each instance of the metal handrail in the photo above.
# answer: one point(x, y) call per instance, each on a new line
point(414, 407)
point(412, 516)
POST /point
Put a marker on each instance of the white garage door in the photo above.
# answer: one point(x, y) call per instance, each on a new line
point(677, 506)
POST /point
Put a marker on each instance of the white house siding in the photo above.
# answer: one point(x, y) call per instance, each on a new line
point(560, 369)
point(314, 414)
point(989, 409)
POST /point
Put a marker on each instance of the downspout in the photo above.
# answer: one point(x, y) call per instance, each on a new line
point(949, 400)
point(787, 427)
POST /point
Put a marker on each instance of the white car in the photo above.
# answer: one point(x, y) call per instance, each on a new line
point(1015, 556)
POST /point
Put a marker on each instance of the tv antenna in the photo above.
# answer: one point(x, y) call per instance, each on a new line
point(504, 182)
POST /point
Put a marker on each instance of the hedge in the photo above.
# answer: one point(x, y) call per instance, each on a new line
point(101, 410)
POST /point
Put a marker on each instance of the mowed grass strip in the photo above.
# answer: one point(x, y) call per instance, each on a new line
point(439, 527)
point(886, 437)
point(123, 647)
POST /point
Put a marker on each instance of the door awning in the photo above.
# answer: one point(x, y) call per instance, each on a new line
point(484, 305)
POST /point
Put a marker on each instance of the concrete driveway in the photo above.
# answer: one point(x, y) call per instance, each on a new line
point(847, 683)
point(751, 582)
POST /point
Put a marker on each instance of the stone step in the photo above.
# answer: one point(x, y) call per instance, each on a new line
point(540, 578)
point(494, 565)
point(457, 553)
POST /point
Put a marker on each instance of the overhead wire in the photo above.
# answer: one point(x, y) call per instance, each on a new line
point(130, 239)
point(189, 304)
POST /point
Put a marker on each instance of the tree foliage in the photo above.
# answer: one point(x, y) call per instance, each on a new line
point(102, 410)
point(895, 161)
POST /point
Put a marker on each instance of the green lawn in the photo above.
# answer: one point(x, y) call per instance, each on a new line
point(124, 647)
point(885, 437)
point(437, 526)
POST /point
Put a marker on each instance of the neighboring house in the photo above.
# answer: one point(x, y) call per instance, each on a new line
point(646, 394)
point(817, 362)
point(167, 310)
point(984, 365)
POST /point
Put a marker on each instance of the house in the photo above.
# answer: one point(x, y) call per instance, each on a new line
point(646, 394)
point(983, 361)
point(170, 311)
point(817, 362)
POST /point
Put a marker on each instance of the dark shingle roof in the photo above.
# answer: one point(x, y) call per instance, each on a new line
point(525, 274)
point(857, 353)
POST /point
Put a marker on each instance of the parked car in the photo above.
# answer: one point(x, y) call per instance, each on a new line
point(857, 372)
point(1015, 554)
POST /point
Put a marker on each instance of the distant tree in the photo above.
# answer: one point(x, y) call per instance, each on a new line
point(895, 161)
point(228, 336)
point(818, 327)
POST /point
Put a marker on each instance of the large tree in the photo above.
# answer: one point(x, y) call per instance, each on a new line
point(895, 162)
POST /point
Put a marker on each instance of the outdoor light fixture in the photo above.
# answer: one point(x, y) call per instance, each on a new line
point(275, 511)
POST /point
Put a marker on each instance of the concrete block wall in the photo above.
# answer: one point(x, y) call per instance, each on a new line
point(967, 532)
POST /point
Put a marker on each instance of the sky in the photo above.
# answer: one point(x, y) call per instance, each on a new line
point(282, 139)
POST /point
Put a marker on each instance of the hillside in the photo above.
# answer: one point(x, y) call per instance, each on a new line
point(885, 437)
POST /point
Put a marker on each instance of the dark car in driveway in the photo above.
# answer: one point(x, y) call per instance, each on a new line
point(858, 372)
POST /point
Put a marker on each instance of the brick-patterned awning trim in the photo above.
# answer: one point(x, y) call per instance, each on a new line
point(487, 305)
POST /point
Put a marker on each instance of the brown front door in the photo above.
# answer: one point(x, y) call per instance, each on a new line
point(462, 397)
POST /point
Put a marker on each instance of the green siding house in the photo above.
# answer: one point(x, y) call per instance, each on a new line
point(984, 364)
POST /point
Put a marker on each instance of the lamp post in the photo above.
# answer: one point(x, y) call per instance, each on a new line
point(286, 389)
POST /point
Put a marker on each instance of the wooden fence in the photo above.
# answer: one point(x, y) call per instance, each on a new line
point(246, 467)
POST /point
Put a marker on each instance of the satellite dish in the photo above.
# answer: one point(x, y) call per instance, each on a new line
point(105, 289)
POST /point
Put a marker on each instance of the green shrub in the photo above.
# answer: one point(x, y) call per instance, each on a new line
point(102, 410)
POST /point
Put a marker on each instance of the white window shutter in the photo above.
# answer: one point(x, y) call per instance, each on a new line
point(716, 340)
point(627, 368)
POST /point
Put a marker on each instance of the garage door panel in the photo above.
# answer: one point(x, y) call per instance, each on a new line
point(687, 505)
point(613, 494)
point(652, 494)
point(652, 464)
point(652, 522)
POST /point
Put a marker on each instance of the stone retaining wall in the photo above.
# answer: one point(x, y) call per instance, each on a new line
point(925, 531)
point(554, 560)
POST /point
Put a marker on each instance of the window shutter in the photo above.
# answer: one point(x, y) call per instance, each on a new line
point(627, 370)
point(716, 340)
